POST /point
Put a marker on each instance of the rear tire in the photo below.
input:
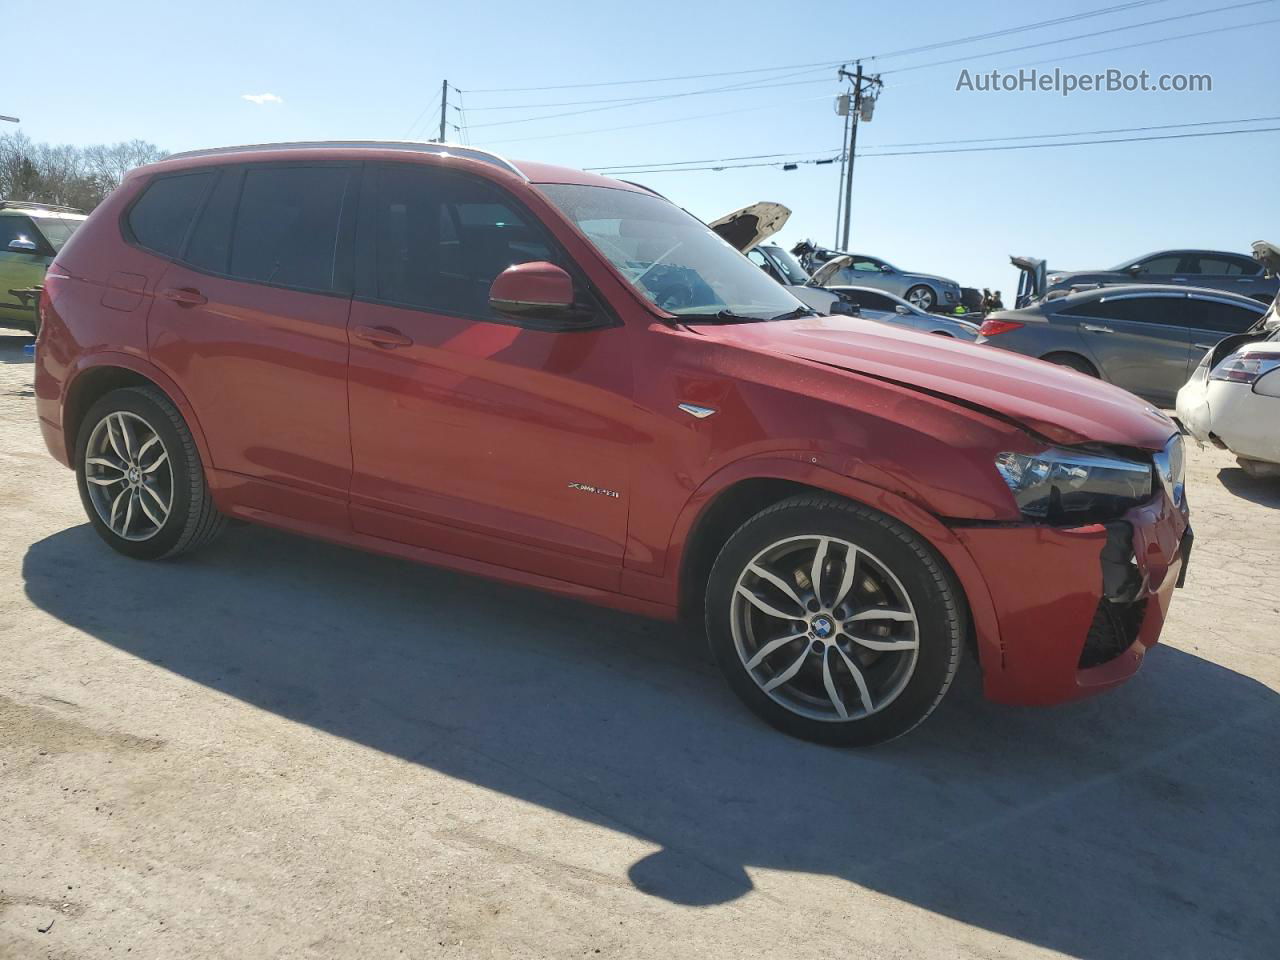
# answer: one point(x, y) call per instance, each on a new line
point(863, 657)
point(140, 477)
point(1073, 361)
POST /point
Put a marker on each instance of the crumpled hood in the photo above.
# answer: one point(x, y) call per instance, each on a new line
point(1059, 404)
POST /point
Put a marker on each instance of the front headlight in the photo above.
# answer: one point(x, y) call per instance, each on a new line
point(1066, 486)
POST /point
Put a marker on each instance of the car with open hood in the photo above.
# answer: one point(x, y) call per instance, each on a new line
point(1235, 273)
point(884, 306)
point(746, 230)
point(1232, 399)
point(836, 268)
point(565, 382)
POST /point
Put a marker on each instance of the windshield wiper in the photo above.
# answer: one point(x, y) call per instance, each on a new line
point(728, 316)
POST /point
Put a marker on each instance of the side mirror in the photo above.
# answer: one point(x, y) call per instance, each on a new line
point(24, 245)
point(901, 310)
point(885, 268)
point(1135, 269)
point(538, 290)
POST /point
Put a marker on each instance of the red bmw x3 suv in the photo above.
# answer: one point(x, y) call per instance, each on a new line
point(564, 381)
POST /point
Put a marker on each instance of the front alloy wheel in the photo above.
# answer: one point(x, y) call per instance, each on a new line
point(834, 622)
point(922, 298)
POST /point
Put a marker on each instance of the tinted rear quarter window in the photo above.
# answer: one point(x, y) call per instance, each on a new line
point(1222, 317)
point(286, 230)
point(160, 218)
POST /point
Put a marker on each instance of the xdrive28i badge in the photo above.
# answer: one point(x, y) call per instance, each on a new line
point(591, 488)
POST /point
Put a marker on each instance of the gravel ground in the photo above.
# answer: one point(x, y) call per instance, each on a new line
point(279, 748)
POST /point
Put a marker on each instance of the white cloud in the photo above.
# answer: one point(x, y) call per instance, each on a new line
point(261, 98)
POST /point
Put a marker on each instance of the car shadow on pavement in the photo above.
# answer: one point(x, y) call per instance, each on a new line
point(1142, 823)
point(11, 345)
point(1261, 490)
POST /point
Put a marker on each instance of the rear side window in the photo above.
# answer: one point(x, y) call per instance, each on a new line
point(1224, 266)
point(1222, 317)
point(286, 229)
point(441, 239)
point(16, 228)
point(160, 218)
point(1159, 311)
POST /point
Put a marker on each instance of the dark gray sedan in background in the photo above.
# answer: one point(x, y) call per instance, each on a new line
point(1230, 272)
point(1145, 338)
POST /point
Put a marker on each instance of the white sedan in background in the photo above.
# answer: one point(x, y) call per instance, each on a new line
point(1233, 398)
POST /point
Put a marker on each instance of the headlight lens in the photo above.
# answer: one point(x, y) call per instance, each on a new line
point(1065, 486)
point(1244, 369)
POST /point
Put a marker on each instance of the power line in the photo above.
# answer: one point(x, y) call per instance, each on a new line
point(1080, 36)
point(1114, 8)
point(1058, 21)
point(1075, 143)
point(1076, 133)
point(726, 163)
point(753, 156)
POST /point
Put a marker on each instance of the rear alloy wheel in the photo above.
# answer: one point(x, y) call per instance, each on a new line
point(921, 297)
point(140, 476)
point(833, 622)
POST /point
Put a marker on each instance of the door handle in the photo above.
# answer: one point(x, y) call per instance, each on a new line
point(185, 296)
point(385, 337)
point(1094, 328)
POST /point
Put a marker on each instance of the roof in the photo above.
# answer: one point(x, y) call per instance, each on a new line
point(32, 208)
point(529, 172)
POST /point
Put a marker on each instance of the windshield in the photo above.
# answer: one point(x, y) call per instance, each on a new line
point(788, 264)
point(57, 230)
point(676, 261)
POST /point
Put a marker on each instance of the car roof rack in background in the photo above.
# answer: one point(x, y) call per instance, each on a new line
point(33, 205)
point(417, 146)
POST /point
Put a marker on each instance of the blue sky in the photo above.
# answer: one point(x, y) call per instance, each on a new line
point(177, 77)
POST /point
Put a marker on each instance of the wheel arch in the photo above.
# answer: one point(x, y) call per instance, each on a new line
point(97, 376)
point(1074, 355)
point(738, 492)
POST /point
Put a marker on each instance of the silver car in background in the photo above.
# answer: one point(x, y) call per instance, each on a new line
point(878, 305)
point(1144, 338)
point(926, 291)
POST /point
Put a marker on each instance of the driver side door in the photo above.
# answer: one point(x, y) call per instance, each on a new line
point(474, 434)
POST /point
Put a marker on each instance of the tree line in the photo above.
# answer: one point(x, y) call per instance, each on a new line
point(61, 173)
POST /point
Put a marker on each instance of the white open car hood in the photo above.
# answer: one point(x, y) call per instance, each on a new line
point(751, 226)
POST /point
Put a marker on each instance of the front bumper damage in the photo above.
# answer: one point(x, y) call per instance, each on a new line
point(1077, 608)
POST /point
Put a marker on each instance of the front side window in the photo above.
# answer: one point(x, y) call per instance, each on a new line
point(675, 261)
point(1160, 265)
point(286, 230)
point(442, 238)
point(160, 218)
point(16, 228)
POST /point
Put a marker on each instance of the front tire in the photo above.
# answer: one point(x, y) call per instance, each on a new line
point(833, 622)
point(922, 297)
point(140, 476)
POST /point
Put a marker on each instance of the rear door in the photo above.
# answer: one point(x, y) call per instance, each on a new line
point(250, 318)
point(1224, 271)
point(1140, 341)
point(20, 268)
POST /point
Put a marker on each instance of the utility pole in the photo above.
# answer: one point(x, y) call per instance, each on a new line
point(844, 159)
point(444, 106)
point(865, 91)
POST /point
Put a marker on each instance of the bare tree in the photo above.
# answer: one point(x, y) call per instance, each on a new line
point(76, 176)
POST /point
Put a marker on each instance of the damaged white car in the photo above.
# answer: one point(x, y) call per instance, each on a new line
point(1233, 398)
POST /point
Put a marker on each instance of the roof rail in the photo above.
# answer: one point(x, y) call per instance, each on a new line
point(417, 146)
point(33, 205)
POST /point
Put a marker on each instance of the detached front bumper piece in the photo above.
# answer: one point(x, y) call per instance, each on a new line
point(1077, 608)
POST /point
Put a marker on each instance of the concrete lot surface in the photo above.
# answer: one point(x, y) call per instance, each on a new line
point(279, 748)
